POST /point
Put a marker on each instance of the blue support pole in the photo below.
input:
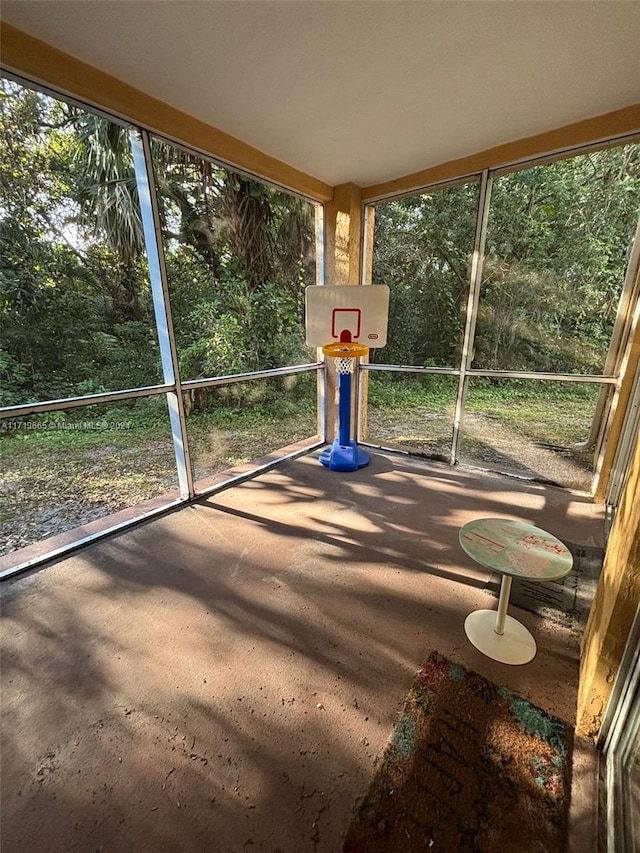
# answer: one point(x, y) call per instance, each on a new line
point(344, 454)
point(344, 409)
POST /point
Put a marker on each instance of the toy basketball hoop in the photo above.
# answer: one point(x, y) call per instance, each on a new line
point(345, 354)
point(353, 319)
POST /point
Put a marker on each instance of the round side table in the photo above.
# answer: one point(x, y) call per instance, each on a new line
point(516, 550)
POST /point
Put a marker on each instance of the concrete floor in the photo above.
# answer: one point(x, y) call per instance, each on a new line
point(223, 678)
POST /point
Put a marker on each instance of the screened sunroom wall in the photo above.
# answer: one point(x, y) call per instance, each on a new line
point(153, 306)
point(512, 284)
point(34, 60)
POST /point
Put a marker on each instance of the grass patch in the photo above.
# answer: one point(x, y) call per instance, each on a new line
point(552, 412)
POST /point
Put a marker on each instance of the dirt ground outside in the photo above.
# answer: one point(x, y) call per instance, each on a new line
point(487, 443)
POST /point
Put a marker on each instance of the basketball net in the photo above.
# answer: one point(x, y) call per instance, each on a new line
point(345, 353)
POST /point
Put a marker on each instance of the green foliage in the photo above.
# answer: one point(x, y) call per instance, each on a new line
point(104, 185)
point(557, 245)
point(75, 298)
point(406, 391)
point(76, 303)
point(239, 255)
point(422, 249)
point(551, 287)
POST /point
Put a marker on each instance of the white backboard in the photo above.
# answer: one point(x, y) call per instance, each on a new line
point(349, 312)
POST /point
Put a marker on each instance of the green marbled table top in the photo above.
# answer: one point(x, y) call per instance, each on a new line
point(515, 548)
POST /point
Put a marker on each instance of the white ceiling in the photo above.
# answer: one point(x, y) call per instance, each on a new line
point(359, 91)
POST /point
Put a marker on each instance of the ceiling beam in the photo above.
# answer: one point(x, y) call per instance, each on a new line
point(40, 62)
point(618, 123)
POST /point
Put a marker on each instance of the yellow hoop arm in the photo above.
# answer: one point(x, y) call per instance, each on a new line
point(345, 349)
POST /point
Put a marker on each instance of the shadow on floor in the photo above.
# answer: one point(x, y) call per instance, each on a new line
point(229, 673)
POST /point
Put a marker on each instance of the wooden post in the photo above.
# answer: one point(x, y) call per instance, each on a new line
point(613, 609)
point(342, 261)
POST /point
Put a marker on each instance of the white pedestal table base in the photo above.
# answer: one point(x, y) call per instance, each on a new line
point(515, 646)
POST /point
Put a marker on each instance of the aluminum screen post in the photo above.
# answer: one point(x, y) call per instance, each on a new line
point(160, 292)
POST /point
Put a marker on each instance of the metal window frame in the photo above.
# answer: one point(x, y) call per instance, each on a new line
point(58, 95)
point(565, 153)
point(172, 387)
point(607, 379)
point(25, 409)
point(475, 280)
point(425, 189)
point(584, 378)
point(408, 368)
point(215, 381)
point(508, 167)
point(625, 448)
point(149, 210)
point(620, 728)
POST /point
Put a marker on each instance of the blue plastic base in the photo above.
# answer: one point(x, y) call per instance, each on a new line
point(344, 457)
